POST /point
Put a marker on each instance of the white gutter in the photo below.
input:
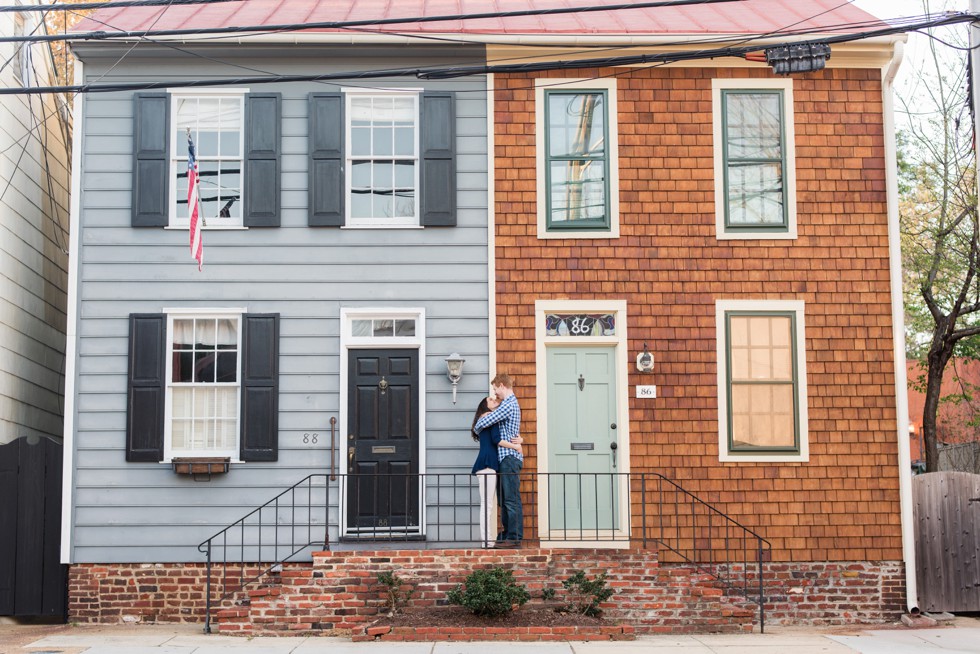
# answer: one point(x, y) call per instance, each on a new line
point(898, 330)
point(71, 345)
point(491, 227)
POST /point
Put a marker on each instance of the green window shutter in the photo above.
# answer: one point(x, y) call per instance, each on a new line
point(326, 183)
point(437, 140)
point(260, 387)
point(151, 160)
point(146, 388)
point(262, 179)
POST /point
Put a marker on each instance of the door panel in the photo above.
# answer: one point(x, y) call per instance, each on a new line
point(383, 442)
point(582, 490)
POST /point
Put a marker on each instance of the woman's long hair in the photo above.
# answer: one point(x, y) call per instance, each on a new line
point(480, 410)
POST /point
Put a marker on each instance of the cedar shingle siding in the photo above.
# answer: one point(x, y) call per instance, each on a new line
point(841, 505)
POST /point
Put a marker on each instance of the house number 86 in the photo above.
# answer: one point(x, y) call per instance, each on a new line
point(310, 438)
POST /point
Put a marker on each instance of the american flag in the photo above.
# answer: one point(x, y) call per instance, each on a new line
point(194, 204)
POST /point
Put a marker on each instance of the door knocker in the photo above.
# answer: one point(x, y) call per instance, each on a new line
point(581, 382)
point(383, 385)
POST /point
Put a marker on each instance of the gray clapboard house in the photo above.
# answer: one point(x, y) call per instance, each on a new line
point(345, 257)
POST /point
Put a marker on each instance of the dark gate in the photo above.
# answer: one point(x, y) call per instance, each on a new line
point(32, 580)
point(947, 541)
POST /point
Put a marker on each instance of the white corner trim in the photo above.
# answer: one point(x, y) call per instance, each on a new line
point(609, 85)
point(898, 329)
point(491, 231)
point(789, 175)
point(71, 345)
point(797, 307)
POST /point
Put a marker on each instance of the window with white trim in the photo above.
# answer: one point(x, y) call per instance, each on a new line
point(761, 380)
point(203, 385)
point(577, 158)
point(215, 121)
point(755, 165)
point(382, 171)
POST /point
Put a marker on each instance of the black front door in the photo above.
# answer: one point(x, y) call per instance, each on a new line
point(383, 442)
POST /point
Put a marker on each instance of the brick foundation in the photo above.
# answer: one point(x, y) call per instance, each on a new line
point(338, 592)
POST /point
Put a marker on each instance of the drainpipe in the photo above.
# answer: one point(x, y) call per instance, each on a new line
point(898, 330)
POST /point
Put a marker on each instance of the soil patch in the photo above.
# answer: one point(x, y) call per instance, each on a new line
point(529, 615)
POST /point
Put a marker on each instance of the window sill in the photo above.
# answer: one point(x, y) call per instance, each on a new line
point(382, 227)
point(209, 228)
point(764, 457)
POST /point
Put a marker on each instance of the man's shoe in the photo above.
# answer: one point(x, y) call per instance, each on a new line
point(508, 545)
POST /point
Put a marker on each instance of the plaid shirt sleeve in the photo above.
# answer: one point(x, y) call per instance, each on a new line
point(507, 411)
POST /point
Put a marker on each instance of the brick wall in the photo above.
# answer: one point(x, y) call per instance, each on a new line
point(339, 591)
point(842, 505)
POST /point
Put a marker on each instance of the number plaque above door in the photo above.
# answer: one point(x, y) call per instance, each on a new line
point(580, 324)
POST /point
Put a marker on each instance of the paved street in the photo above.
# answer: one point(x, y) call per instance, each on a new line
point(964, 637)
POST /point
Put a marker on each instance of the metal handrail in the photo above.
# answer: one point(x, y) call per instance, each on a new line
point(442, 509)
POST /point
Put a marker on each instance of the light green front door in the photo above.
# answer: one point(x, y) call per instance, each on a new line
point(582, 441)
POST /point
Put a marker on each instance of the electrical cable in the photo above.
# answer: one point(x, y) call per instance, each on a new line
point(443, 72)
point(82, 6)
point(297, 27)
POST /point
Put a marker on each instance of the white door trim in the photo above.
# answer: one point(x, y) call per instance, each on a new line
point(619, 344)
point(350, 342)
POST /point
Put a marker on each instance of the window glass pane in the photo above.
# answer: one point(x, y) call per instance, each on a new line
point(383, 175)
point(227, 334)
point(204, 333)
point(204, 366)
point(361, 328)
point(403, 110)
point(384, 138)
point(360, 141)
point(404, 141)
point(760, 363)
point(576, 124)
point(578, 191)
point(183, 337)
point(360, 111)
point(382, 206)
point(225, 433)
point(181, 406)
point(755, 194)
point(229, 143)
point(360, 206)
point(404, 328)
point(384, 328)
point(227, 370)
point(405, 174)
point(740, 364)
point(782, 328)
point(186, 117)
point(183, 367)
point(405, 204)
point(179, 433)
point(753, 125)
point(361, 175)
point(225, 402)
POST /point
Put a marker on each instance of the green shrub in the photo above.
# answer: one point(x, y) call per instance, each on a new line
point(584, 596)
point(393, 588)
point(490, 592)
point(548, 594)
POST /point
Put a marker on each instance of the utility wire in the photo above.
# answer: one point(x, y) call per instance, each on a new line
point(297, 27)
point(67, 6)
point(447, 72)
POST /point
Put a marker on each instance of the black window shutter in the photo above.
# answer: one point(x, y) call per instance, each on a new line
point(147, 387)
point(326, 160)
point(437, 137)
point(151, 160)
point(260, 387)
point(262, 185)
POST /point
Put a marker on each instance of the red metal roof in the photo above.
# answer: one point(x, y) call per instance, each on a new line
point(744, 17)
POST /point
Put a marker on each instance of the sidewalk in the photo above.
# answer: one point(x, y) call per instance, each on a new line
point(962, 638)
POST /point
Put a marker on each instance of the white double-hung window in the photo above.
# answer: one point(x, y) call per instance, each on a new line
point(203, 384)
point(215, 121)
point(382, 167)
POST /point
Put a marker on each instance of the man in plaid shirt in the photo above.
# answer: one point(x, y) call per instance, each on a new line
point(508, 415)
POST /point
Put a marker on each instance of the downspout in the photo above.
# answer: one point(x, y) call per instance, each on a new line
point(491, 227)
point(898, 329)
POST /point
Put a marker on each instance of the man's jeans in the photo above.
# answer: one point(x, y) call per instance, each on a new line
point(511, 511)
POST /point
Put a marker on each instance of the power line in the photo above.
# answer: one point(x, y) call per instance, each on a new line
point(297, 27)
point(67, 6)
point(447, 72)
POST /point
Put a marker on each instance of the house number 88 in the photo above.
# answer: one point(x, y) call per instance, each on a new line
point(310, 438)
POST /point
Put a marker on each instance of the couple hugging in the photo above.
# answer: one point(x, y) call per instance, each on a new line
point(496, 426)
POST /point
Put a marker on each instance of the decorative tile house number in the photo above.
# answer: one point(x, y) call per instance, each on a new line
point(580, 324)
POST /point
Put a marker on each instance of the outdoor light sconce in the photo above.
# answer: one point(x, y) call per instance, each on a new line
point(644, 360)
point(454, 370)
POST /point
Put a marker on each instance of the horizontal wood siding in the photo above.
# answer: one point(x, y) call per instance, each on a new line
point(126, 512)
point(34, 187)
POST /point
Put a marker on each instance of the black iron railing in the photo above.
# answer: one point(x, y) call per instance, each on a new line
point(439, 510)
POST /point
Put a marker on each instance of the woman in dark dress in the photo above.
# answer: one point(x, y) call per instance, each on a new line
point(486, 466)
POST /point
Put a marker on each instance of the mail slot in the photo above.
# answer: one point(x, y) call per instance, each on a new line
point(382, 449)
point(583, 446)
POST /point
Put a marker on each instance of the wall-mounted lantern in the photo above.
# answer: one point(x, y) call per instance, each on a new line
point(454, 370)
point(644, 360)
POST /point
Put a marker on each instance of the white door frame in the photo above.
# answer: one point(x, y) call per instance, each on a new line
point(618, 342)
point(350, 342)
